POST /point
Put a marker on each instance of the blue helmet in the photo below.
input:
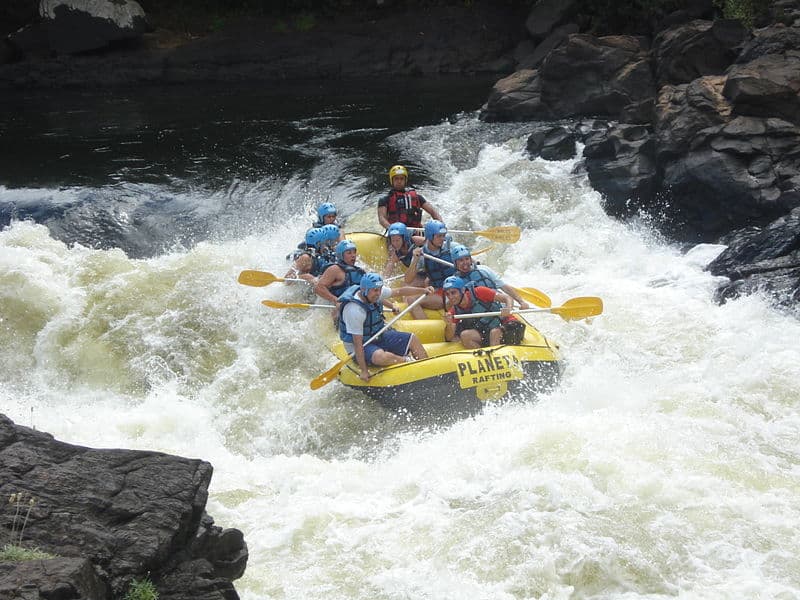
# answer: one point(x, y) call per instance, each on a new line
point(325, 209)
point(399, 229)
point(315, 236)
point(434, 227)
point(331, 231)
point(370, 281)
point(459, 251)
point(454, 282)
point(343, 247)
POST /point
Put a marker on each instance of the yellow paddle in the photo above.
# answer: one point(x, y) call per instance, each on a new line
point(573, 309)
point(331, 373)
point(262, 278)
point(534, 296)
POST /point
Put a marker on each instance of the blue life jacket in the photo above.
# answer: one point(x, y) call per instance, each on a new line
point(372, 324)
point(478, 276)
point(437, 272)
point(352, 276)
point(478, 306)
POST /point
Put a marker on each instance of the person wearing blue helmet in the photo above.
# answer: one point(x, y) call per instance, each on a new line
point(400, 245)
point(311, 258)
point(468, 298)
point(403, 204)
point(333, 235)
point(326, 215)
point(433, 262)
point(342, 274)
point(481, 275)
point(361, 317)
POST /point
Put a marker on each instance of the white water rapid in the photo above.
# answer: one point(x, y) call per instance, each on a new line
point(666, 464)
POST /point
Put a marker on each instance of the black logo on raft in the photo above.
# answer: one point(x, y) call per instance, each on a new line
point(490, 368)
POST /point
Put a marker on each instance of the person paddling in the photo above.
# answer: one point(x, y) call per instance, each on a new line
point(403, 204)
point(468, 298)
point(469, 271)
point(437, 246)
point(344, 273)
point(312, 256)
point(361, 317)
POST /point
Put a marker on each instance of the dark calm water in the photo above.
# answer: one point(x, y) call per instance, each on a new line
point(144, 169)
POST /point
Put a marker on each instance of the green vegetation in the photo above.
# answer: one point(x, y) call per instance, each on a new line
point(746, 11)
point(15, 552)
point(142, 589)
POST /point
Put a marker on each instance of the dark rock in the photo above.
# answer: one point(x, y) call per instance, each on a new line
point(771, 40)
point(762, 260)
point(438, 40)
point(546, 15)
point(767, 86)
point(621, 166)
point(534, 58)
point(51, 578)
point(583, 76)
point(126, 512)
point(553, 143)
point(695, 49)
point(82, 25)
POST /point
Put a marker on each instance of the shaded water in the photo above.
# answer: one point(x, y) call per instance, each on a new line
point(666, 464)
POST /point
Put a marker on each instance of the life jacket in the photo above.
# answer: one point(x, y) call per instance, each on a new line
point(478, 276)
point(437, 272)
point(352, 276)
point(405, 207)
point(407, 256)
point(372, 324)
point(320, 260)
point(477, 306)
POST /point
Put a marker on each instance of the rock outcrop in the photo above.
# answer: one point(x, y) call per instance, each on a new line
point(702, 128)
point(109, 517)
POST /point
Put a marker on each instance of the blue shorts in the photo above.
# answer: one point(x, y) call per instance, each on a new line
point(396, 342)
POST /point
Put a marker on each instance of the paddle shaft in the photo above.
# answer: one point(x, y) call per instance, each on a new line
point(498, 313)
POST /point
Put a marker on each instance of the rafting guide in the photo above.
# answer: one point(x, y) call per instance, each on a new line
point(403, 204)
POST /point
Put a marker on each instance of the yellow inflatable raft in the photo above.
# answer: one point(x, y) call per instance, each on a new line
point(452, 380)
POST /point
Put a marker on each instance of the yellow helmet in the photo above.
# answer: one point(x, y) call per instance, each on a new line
point(397, 170)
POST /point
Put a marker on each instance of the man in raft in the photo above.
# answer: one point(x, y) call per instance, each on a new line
point(403, 204)
point(313, 256)
point(468, 298)
point(340, 275)
point(481, 274)
point(436, 246)
point(361, 317)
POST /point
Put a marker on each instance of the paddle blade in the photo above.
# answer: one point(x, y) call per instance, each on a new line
point(257, 278)
point(508, 234)
point(535, 297)
point(579, 308)
point(274, 304)
point(329, 375)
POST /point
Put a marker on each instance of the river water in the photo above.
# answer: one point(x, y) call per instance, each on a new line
point(666, 464)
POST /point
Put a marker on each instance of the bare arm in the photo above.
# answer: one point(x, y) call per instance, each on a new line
point(432, 211)
point(411, 272)
point(509, 290)
point(383, 217)
point(333, 275)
